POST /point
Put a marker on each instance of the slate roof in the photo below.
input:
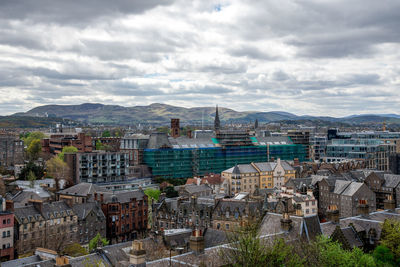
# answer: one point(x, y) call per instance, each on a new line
point(94, 259)
point(22, 197)
point(352, 237)
point(53, 210)
point(123, 196)
point(213, 237)
point(242, 168)
point(238, 205)
point(192, 188)
point(158, 140)
point(31, 261)
point(82, 210)
point(82, 189)
point(298, 183)
point(391, 180)
point(352, 188)
point(340, 186)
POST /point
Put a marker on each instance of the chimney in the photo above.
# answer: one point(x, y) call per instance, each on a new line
point(189, 133)
point(332, 214)
point(137, 256)
point(69, 201)
point(196, 242)
point(101, 197)
point(95, 196)
point(62, 261)
point(389, 203)
point(37, 203)
point(296, 162)
point(9, 205)
point(272, 159)
point(363, 207)
point(286, 222)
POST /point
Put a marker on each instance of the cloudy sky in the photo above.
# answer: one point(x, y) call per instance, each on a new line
point(316, 57)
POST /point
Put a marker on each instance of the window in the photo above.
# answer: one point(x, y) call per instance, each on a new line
point(8, 233)
point(4, 221)
point(227, 226)
point(4, 234)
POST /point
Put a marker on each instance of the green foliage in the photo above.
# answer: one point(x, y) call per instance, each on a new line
point(170, 192)
point(67, 149)
point(383, 256)
point(96, 241)
point(33, 136)
point(100, 146)
point(34, 149)
point(152, 193)
point(390, 237)
point(31, 178)
point(37, 170)
point(75, 250)
point(106, 133)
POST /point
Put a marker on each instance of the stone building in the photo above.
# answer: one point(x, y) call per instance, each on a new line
point(346, 196)
point(190, 190)
point(47, 225)
point(249, 177)
point(11, 150)
point(386, 187)
point(57, 142)
point(183, 213)
point(91, 221)
point(229, 214)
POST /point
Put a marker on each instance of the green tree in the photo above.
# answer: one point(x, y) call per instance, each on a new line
point(97, 241)
point(75, 250)
point(106, 133)
point(31, 178)
point(67, 149)
point(383, 256)
point(152, 193)
point(170, 192)
point(32, 136)
point(390, 238)
point(37, 170)
point(34, 149)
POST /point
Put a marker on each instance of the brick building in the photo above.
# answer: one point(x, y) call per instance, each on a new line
point(126, 214)
point(57, 142)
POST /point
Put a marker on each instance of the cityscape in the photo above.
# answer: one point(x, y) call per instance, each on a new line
point(202, 133)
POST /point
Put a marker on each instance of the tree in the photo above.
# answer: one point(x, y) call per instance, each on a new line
point(383, 256)
point(32, 136)
point(170, 192)
point(31, 178)
point(67, 149)
point(34, 149)
point(152, 193)
point(75, 250)
point(97, 241)
point(106, 133)
point(390, 237)
point(37, 170)
point(58, 170)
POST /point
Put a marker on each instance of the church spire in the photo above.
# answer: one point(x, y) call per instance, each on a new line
point(217, 123)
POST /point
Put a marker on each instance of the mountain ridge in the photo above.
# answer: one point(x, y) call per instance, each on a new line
point(162, 113)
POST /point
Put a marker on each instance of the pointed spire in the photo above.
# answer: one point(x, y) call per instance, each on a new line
point(217, 123)
point(256, 124)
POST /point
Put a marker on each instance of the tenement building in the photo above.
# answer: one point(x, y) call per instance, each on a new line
point(47, 225)
point(91, 221)
point(6, 232)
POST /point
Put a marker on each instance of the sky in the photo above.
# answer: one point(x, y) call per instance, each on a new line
point(314, 57)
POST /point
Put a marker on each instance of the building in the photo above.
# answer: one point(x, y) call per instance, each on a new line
point(126, 214)
point(11, 150)
point(6, 232)
point(97, 167)
point(302, 138)
point(183, 213)
point(47, 225)
point(386, 187)
point(184, 157)
point(230, 214)
point(190, 190)
point(81, 193)
point(218, 184)
point(57, 142)
point(249, 177)
point(346, 196)
point(318, 146)
point(91, 221)
point(111, 143)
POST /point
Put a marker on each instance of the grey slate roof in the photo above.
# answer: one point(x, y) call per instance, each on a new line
point(340, 186)
point(352, 237)
point(82, 189)
point(391, 180)
point(123, 197)
point(32, 261)
point(352, 188)
point(83, 210)
point(238, 205)
point(54, 210)
point(158, 140)
point(192, 188)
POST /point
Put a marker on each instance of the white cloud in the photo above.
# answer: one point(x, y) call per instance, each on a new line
point(308, 57)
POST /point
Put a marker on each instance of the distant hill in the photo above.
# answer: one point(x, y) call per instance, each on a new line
point(29, 122)
point(162, 113)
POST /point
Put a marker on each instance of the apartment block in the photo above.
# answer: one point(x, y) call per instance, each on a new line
point(6, 232)
point(11, 150)
point(57, 142)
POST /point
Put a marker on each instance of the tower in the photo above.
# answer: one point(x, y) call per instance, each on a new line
point(175, 128)
point(256, 124)
point(217, 123)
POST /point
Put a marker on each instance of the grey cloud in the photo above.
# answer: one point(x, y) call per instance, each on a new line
point(251, 52)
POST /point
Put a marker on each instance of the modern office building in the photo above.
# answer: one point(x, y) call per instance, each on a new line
point(97, 167)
